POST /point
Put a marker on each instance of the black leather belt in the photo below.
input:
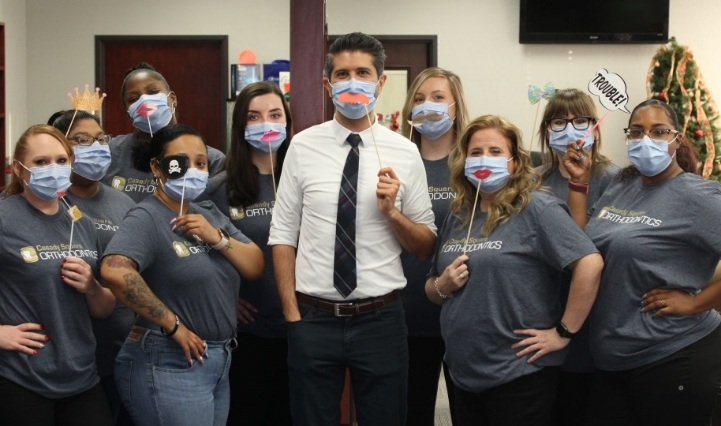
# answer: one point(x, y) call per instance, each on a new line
point(348, 309)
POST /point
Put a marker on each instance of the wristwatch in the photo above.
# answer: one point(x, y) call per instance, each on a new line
point(562, 331)
point(224, 240)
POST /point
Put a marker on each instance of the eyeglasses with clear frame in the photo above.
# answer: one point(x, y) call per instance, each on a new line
point(85, 140)
point(559, 124)
point(657, 134)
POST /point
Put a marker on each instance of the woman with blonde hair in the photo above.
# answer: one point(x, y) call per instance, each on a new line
point(434, 115)
point(568, 118)
point(501, 318)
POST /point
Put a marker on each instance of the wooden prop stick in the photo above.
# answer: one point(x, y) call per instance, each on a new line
point(373, 136)
point(473, 214)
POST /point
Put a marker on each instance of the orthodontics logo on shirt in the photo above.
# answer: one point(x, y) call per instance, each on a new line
point(263, 208)
point(105, 225)
point(621, 216)
point(441, 193)
point(132, 185)
point(455, 245)
point(32, 254)
point(186, 248)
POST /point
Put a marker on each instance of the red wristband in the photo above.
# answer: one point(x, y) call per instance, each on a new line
point(578, 187)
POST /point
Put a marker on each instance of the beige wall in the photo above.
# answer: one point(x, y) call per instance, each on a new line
point(478, 39)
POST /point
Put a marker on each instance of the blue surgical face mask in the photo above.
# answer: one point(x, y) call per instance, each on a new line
point(365, 89)
point(649, 156)
point(194, 181)
point(151, 113)
point(490, 172)
point(265, 134)
point(434, 119)
point(47, 181)
point(559, 140)
point(91, 161)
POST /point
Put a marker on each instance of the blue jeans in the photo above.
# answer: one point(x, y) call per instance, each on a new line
point(158, 387)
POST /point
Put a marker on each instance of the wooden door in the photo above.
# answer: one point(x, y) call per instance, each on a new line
point(410, 53)
point(196, 68)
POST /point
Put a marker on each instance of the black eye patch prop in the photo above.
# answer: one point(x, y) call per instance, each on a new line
point(174, 166)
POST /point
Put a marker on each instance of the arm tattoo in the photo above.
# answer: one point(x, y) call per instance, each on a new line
point(138, 295)
point(118, 261)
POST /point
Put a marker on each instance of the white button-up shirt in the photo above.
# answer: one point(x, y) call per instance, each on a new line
point(306, 206)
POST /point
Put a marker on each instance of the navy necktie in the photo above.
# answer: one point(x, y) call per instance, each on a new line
point(344, 265)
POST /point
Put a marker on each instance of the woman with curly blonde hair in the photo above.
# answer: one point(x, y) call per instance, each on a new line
point(501, 320)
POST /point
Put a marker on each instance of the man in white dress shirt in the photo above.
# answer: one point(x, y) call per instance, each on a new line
point(330, 330)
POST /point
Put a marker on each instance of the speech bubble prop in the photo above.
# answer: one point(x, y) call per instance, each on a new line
point(610, 89)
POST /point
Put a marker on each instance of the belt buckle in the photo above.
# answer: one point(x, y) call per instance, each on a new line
point(337, 306)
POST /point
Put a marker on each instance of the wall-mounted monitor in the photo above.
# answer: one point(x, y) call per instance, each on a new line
point(605, 21)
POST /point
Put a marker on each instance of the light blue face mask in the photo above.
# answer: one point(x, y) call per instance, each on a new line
point(151, 113)
point(194, 182)
point(265, 134)
point(91, 161)
point(490, 172)
point(358, 92)
point(559, 140)
point(431, 119)
point(649, 156)
point(47, 181)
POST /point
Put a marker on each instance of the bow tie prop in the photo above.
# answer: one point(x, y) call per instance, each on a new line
point(535, 94)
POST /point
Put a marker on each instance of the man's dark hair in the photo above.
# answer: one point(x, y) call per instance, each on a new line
point(354, 42)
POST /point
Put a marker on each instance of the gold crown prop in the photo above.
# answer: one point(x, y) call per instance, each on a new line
point(88, 101)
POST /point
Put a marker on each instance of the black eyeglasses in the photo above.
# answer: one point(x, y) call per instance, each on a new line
point(85, 140)
point(578, 123)
point(635, 134)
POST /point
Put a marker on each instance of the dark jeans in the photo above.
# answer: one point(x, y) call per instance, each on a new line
point(425, 357)
point(372, 346)
point(259, 393)
point(573, 398)
point(525, 401)
point(680, 389)
point(23, 407)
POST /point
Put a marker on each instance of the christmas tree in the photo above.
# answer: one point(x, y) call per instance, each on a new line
point(675, 78)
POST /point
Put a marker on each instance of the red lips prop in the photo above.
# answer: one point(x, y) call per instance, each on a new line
point(482, 174)
point(270, 136)
point(353, 98)
point(146, 110)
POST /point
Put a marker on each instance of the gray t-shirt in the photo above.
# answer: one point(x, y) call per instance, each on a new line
point(32, 248)
point(422, 315)
point(254, 222)
point(579, 359)
point(511, 286)
point(652, 236)
point(194, 281)
point(138, 185)
point(107, 209)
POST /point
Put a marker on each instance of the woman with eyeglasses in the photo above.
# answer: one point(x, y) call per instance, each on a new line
point(568, 118)
point(501, 320)
point(151, 105)
point(654, 334)
point(106, 208)
point(178, 264)
point(48, 293)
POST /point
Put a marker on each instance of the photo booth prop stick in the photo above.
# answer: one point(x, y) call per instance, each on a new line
point(611, 91)
point(535, 94)
point(361, 99)
point(269, 137)
point(75, 215)
point(86, 102)
point(480, 174)
point(175, 167)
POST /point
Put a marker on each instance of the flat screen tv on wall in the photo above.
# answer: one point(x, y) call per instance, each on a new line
point(606, 21)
